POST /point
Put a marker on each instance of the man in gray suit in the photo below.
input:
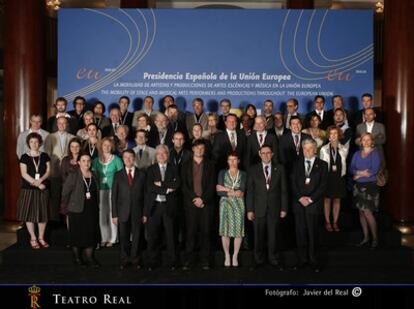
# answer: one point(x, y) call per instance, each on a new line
point(376, 129)
point(145, 155)
point(199, 116)
point(35, 126)
point(266, 203)
point(127, 207)
point(147, 109)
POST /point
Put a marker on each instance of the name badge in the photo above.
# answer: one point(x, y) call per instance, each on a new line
point(333, 168)
point(307, 180)
point(37, 176)
point(104, 180)
point(88, 195)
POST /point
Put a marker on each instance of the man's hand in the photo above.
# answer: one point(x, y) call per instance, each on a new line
point(115, 221)
point(250, 216)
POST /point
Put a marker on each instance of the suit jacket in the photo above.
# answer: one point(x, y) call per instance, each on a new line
point(147, 159)
point(54, 150)
point(171, 181)
point(208, 183)
point(140, 112)
point(186, 156)
point(273, 132)
point(221, 125)
point(154, 137)
point(126, 119)
point(326, 121)
point(191, 120)
point(287, 149)
point(315, 189)
point(108, 131)
point(301, 117)
point(358, 117)
point(73, 192)
point(262, 201)
point(79, 119)
point(253, 147)
point(128, 201)
point(222, 148)
point(378, 132)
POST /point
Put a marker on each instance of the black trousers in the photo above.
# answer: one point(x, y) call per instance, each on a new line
point(129, 249)
point(306, 227)
point(198, 220)
point(266, 227)
point(157, 222)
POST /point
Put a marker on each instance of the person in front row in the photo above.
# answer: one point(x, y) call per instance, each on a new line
point(160, 207)
point(231, 188)
point(308, 184)
point(199, 192)
point(267, 204)
point(364, 167)
point(80, 195)
point(32, 204)
point(127, 208)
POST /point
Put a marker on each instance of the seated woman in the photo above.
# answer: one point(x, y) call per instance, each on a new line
point(231, 188)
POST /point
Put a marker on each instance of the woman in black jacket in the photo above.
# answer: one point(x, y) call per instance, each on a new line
point(80, 196)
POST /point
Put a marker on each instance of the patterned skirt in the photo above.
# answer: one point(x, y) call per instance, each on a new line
point(231, 217)
point(366, 196)
point(32, 206)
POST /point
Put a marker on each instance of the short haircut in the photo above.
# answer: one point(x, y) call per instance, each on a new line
point(149, 97)
point(266, 146)
point(197, 124)
point(87, 113)
point(309, 141)
point(34, 135)
point(101, 104)
point(294, 101)
point(337, 96)
point(198, 142)
point(124, 97)
point(225, 101)
point(36, 115)
point(147, 118)
point(213, 114)
point(367, 95)
point(233, 154)
point(123, 126)
point(319, 97)
point(278, 113)
point(178, 132)
point(293, 118)
point(141, 131)
point(93, 124)
point(83, 154)
point(162, 147)
point(200, 100)
point(61, 99)
point(172, 106)
point(77, 99)
point(232, 115)
point(128, 151)
point(168, 96)
point(268, 100)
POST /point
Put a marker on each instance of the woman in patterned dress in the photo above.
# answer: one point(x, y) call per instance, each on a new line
point(231, 188)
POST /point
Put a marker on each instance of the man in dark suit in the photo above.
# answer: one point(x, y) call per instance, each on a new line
point(127, 207)
point(174, 121)
point(160, 133)
point(308, 184)
point(279, 126)
point(79, 104)
point(199, 116)
point(160, 207)
point(114, 117)
point(225, 107)
point(51, 125)
point(325, 116)
point(267, 203)
point(290, 148)
point(199, 193)
point(178, 157)
point(268, 113)
point(257, 139)
point(292, 108)
point(228, 141)
point(126, 117)
point(367, 102)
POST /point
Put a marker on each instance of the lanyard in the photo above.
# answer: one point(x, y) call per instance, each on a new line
point(91, 149)
point(334, 153)
point(180, 156)
point(105, 165)
point(36, 165)
point(234, 181)
point(88, 185)
point(123, 118)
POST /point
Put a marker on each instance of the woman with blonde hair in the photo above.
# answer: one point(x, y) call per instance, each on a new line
point(335, 154)
point(106, 165)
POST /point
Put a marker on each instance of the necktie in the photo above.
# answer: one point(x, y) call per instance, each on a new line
point(140, 153)
point(308, 167)
point(267, 177)
point(163, 167)
point(297, 143)
point(233, 141)
point(130, 178)
point(260, 139)
point(162, 134)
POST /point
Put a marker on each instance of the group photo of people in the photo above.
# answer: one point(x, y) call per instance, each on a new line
point(170, 187)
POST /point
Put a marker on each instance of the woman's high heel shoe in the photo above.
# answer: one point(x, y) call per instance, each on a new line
point(227, 262)
point(235, 261)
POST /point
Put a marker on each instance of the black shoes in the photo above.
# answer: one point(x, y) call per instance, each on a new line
point(315, 267)
point(93, 264)
point(278, 265)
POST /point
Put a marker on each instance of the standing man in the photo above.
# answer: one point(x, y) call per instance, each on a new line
point(292, 107)
point(259, 138)
point(326, 118)
point(367, 102)
point(268, 113)
point(114, 117)
point(126, 117)
point(225, 107)
point(267, 203)
point(199, 192)
point(160, 133)
point(308, 184)
point(79, 105)
point(279, 126)
point(35, 126)
point(144, 154)
point(160, 207)
point(147, 109)
point(228, 141)
point(127, 208)
point(60, 105)
point(199, 116)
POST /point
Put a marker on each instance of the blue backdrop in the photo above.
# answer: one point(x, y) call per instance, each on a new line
point(244, 55)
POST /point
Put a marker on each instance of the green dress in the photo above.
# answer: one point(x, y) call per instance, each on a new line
point(232, 209)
